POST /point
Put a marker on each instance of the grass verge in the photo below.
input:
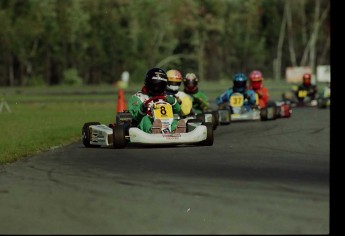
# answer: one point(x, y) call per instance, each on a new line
point(35, 127)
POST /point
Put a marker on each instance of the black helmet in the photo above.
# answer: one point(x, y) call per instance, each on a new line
point(156, 81)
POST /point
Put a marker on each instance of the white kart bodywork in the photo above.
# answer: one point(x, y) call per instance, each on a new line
point(101, 135)
point(248, 115)
point(197, 135)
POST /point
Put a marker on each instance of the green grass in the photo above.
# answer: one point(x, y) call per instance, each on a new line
point(34, 127)
point(46, 117)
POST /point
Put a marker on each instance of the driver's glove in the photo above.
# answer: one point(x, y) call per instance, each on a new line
point(171, 100)
point(178, 100)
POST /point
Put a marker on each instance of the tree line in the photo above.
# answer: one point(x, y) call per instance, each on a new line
point(52, 42)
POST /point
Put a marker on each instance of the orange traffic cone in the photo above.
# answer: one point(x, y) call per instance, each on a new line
point(121, 103)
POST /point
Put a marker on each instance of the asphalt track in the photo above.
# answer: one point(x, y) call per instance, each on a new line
point(258, 178)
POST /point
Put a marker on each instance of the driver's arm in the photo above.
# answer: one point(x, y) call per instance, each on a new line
point(134, 105)
point(176, 107)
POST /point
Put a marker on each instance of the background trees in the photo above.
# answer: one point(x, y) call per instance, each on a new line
point(42, 40)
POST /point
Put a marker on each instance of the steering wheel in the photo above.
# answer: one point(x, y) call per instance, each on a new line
point(153, 99)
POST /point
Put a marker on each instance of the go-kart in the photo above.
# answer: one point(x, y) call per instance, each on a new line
point(235, 110)
point(125, 131)
point(298, 97)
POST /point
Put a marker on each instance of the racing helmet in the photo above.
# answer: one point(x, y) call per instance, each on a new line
point(174, 80)
point(240, 82)
point(156, 81)
point(190, 83)
point(306, 79)
point(256, 79)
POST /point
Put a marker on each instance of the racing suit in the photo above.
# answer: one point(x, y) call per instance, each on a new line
point(200, 102)
point(249, 98)
point(311, 92)
point(143, 120)
point(262, 94)
point(184, 100)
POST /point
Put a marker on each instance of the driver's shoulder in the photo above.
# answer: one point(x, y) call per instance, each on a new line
point(250, 92)
point(139, 96)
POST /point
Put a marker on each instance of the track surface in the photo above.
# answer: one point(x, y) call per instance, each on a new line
point(258, 178)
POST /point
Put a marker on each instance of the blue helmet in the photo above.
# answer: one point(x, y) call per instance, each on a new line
point(240, 82)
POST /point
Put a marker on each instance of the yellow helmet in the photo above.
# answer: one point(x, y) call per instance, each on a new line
point(174, 80)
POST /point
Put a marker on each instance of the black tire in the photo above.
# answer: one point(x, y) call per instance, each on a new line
point(85, 134)
point(271, 112)
point(264, 114)
point(201, 117)
point(210, 137)
point(322, 103)
point(216, 119)
point(119, 139)
point(193, 121)
point(278, 111)
point(123, 117)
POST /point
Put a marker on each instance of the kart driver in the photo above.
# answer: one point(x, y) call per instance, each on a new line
point(200, 100)
point(239, 86)
point(155, 85)
point(173, 89)
point(256, 84)
point(308, 86)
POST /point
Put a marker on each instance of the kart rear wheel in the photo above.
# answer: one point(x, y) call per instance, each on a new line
point(119, 139)
point(123, 117)
point(193, 123)
point(322, 103)
point(201, 117)
point(215, 119)
point(210, 137)
point(264, 114)
point(85, 134)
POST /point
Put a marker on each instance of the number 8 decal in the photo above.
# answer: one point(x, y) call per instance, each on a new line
point(163, 111)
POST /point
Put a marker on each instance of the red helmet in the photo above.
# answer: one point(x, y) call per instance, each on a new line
point(307, 79)
point(256, 79)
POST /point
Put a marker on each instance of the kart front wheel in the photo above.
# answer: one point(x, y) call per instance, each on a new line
point(119, 139)
point(85, 134)
point(268, 113)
